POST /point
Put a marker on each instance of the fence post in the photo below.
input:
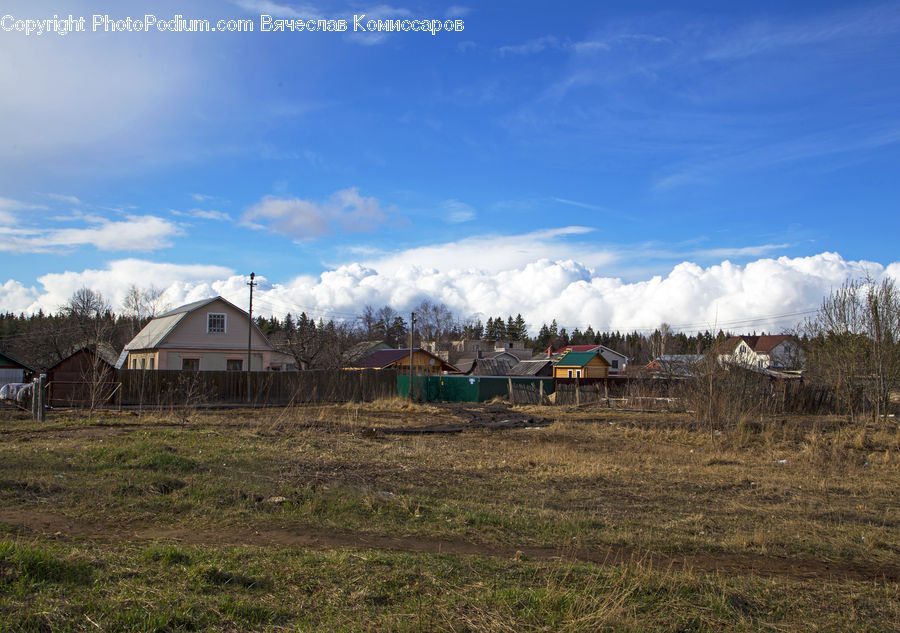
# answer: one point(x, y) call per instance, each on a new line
point(578, 392)
point(41, 413)
point(541, 393)
point(512, 397)
point(35, 385)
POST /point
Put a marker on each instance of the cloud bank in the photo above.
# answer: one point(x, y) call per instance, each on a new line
point(764, 295)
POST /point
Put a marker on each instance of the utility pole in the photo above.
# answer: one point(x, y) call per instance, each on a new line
point(412, 322)
point(250, 333)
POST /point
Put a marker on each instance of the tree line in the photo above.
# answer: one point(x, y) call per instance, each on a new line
point(852, 343)
point(40, 340)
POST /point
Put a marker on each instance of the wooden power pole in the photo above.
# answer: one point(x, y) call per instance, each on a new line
point(412, 322)
point(250, 334)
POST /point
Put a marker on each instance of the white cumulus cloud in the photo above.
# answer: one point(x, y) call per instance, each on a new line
point(769, 294)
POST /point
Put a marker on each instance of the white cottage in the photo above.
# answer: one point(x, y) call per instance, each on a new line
point(207, 335)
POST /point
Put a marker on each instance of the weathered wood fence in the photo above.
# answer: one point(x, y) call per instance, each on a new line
point(765, 394)
point(163, 388)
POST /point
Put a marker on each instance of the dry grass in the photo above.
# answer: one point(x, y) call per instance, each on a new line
point(794, 489)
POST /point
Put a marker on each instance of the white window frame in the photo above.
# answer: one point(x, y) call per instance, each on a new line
point(570, 373)
point(209, 316)
point(578, 373)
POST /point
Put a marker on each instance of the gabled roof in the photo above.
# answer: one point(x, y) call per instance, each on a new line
point(155, 332)
point(759, 344)
point(484, 366)
point(104, 351)
point(531, 367)
point(361, 350)
point(766, 344)
point(585, 348)
point(190, 307)
point(580, 359)
point(13, 361)
point(386, 357)
point(381, 358)
point(575, 348)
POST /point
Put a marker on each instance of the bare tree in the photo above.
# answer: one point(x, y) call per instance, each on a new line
point(660, 340)
point(434, 321)
point(143, 303)
point(86, 304)
point(883, 312)
point(854, 344)
point(368, 322)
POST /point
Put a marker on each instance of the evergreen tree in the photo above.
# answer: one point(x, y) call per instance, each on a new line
point(521, 328)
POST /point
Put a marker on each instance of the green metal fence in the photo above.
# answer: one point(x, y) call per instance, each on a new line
point(474, 388)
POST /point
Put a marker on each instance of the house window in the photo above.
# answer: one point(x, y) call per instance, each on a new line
point(142, 363)
point(578, 373)
point(234, 364)
point(215, 323)
point(570, 373)
point(134, 363)
point(151, 362)
point(615, 364)
point(190, 364)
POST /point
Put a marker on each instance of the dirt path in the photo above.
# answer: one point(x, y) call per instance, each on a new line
point(47, 525)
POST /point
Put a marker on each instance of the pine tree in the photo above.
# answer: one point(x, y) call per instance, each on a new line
point(512, 333)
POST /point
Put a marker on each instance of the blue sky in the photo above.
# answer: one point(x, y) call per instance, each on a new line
point(609, 164)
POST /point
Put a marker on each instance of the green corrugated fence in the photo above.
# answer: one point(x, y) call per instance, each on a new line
point(525, 390)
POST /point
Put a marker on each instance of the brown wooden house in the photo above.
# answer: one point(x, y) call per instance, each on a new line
point(424, 363)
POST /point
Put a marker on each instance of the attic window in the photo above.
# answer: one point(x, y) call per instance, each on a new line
point(215, 323)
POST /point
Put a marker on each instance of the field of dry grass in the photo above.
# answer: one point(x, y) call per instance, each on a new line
point(390, 516)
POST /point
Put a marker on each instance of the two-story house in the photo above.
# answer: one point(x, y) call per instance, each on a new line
point(207, 335)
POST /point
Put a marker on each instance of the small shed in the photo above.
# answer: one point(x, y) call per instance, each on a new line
point(581, 365)
point(86, 377)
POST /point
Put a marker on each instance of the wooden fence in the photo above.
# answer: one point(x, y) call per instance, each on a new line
point(163, 388)
point(772, 396)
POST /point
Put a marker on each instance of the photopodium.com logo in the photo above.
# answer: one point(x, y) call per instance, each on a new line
point(98, 23)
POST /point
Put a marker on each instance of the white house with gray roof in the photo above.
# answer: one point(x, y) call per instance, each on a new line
point(207, 335)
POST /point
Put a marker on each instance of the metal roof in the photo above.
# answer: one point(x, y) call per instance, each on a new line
point(490, 367)
point(580, 359)
point(387, 357)
point(363, 349)
point(156, 330)
point(159, 328)
point(190, 307)
point(531, 367)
